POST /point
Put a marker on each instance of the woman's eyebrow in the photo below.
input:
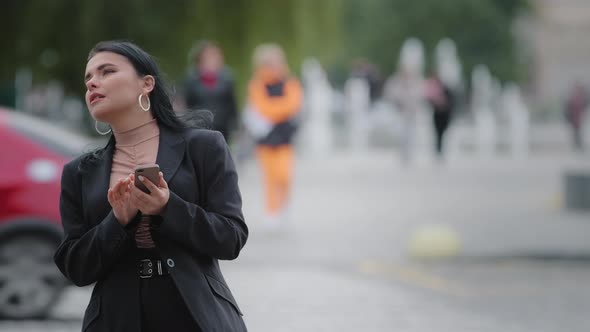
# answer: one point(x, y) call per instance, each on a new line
point(87, 76)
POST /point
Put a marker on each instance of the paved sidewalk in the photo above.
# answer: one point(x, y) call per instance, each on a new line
point(353, 217)
point(495, 207)
point(342, 262)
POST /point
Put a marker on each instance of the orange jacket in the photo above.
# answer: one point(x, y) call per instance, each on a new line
point(275, 108)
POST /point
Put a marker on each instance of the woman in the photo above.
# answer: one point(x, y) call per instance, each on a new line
point(210, 86)
point(153, 257)
point(275, 97)
point(576, 105)
point(441, 100)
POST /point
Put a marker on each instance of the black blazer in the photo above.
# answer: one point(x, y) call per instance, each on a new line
point(202, 222)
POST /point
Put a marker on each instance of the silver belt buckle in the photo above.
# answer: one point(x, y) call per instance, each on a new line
point(146, 268)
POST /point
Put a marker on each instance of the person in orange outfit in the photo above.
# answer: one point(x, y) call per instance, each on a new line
point(275, 97)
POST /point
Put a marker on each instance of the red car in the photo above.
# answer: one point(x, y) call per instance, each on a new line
point(32, 155)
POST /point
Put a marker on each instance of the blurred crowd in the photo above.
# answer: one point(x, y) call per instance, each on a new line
point(266, 124)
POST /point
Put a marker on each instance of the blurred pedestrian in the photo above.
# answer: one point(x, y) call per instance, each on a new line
point(575, 108)
point(440, 98)
point(210, 85)
point(404, 90)
point(362, 68)
point(153, 256)
point(275, 98)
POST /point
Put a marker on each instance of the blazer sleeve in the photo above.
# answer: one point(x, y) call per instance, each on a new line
point(86, 253)
point(217, 228)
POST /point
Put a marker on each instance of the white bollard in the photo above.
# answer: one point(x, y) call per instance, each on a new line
point(319, 96)
point(518, 116)
point(485, 121)
point(358, 102)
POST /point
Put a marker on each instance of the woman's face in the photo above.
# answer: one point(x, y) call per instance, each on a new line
point(211, 59)
point(275, 62)
point(113, 86)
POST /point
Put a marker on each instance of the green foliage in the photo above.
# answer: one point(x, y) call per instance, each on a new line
point(54, 37)
point(481, 30)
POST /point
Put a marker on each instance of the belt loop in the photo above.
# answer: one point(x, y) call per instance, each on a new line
point(159, 267)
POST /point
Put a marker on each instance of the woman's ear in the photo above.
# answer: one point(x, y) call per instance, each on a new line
point(148, 83)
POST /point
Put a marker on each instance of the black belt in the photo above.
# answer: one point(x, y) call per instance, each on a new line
point(151, 267)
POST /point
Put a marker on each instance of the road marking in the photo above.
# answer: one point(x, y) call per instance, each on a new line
point(423, 279)
point(413, 276)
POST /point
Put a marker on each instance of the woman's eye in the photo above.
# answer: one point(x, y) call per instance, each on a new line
point(107, 71)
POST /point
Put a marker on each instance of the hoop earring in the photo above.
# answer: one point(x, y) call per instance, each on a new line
point(101, 132)
point(149, 104)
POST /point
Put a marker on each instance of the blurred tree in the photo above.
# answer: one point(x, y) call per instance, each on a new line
point(53, 37)
point(302, 27)
point(481, 29)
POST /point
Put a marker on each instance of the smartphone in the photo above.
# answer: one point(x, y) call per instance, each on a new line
point(150, 172)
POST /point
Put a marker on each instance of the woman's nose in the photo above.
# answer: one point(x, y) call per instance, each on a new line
point(91, 84)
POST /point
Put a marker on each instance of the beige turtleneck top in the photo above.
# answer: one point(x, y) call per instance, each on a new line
point(135, 147)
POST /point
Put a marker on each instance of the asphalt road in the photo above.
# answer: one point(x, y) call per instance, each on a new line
point(341, 262)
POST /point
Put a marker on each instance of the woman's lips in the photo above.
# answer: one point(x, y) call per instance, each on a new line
point(95, 97)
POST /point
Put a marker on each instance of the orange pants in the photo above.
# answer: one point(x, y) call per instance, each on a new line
point(276, 163)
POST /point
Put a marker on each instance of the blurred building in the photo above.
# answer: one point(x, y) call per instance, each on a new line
point(560, 52)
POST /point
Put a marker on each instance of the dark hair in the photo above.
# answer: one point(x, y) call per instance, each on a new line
point(161, 104)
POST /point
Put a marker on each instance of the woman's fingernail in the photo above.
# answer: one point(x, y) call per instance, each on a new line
point(140, 178)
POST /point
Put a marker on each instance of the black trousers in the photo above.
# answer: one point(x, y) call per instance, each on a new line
point(441, 121)
point(162, 307)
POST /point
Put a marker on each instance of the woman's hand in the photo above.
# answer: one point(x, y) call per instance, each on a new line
point(119, 197)
point(154, 202)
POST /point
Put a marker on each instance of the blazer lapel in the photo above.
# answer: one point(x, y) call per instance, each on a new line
point(170, 152)
point(96, 183)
